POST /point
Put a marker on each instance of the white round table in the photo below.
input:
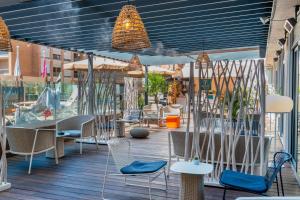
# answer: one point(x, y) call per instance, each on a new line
point(192, 181)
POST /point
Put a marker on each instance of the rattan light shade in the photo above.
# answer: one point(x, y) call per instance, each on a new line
point(203, 60)
point(135, 63)
point(129, 32)
point(5, 44)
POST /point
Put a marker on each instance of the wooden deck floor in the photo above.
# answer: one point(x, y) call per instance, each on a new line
point(80, 176)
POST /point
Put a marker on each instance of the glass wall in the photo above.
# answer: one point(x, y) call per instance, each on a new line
point(34, 102)
point(295, 129)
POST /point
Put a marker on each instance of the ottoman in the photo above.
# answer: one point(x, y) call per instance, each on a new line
point(139, 132)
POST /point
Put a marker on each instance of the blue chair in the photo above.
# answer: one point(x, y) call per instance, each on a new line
point(127, 166)
point(232, 180)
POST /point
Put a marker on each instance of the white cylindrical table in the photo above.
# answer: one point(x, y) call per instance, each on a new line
point(192, 181)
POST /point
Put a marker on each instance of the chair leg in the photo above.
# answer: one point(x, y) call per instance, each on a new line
point(56, 156)
point(97, 146)
point(81, 146)
point(149, 182)
point(277, 185)
point(105, 175)
point(282, 189)
point(166, 181)
point(224, 194)
point(30, 163)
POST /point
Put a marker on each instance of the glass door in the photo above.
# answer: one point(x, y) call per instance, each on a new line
point(295, 128)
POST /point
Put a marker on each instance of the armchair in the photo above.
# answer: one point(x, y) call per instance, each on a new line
point(77, 127)
point(25, 141)
point(232, 180)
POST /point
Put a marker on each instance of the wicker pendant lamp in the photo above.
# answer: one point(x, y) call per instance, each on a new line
point(202, 59)
point(129, 32)
point(135, 63)
point(5, 44)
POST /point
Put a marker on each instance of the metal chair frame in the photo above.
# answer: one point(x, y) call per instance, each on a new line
point(274, 177)
point(151, 176)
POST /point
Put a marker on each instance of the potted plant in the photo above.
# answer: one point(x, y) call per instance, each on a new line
point(156, 84)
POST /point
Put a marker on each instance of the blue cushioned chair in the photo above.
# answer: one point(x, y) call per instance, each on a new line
point(119, 148)
point(232, 180)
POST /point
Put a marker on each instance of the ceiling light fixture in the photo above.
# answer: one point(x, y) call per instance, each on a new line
point(129, 32)
point(264, 20)
point(135, 63)
point(290, 24)
point(5, 44)
point(281, 43)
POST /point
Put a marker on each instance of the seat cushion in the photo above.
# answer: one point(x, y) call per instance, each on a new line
point(243, 181)
point(70, 133)
point(140, 167)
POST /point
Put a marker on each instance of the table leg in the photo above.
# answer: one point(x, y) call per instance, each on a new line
point(60, 147)
point(192, 187)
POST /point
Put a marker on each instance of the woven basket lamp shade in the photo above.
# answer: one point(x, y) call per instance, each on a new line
point(135, 63)
point(129, 32)
point(203, 60)
point(5, 44)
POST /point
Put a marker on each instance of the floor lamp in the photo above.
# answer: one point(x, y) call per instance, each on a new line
point(278, 105)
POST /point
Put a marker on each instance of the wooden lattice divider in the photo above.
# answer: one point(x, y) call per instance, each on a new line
point(3, 162)
point(131, 94)
point(235, 109)
point(104, 109)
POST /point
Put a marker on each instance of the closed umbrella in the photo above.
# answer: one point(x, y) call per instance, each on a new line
point(17, 70)
point(44, 67)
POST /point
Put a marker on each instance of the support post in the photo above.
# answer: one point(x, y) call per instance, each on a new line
point(146, 83)
point(190, 98)
point(115, 103)
point(262, 118)
point(91, 95)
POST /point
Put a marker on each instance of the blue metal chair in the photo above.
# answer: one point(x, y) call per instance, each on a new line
point(128, 167)
point(232, 180)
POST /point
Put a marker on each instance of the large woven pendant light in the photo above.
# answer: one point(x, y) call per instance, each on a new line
point(129, 32)
point(5, 44)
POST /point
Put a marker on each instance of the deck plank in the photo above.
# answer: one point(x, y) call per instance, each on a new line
point(81, 176)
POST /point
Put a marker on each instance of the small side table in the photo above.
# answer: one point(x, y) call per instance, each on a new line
point(192, 181)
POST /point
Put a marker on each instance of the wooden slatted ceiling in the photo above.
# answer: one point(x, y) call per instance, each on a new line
point(183, 25)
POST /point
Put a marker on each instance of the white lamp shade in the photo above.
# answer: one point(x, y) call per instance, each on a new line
point(278, 104)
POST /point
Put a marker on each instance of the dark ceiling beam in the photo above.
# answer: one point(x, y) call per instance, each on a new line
point(224, 44)
point(96, 27)
point(72, 36)
point(193, 38)
point(76, 9)
point(216, 20)
point(98, 36)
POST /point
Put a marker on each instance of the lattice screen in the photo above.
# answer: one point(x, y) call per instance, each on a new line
point(131, 87)
point(103, 99)
point(3, 161)
point(228, 114)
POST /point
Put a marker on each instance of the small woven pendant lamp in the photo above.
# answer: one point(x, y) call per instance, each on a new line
point(202, 59)
point(5, 44)
point(129, 33)
point(135, 63)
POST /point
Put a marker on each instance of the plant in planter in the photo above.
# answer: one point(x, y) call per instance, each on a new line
point(156, 84)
